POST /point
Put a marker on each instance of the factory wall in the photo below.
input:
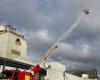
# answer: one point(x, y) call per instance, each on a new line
point(57, 72)
point(10, 47)
point(16, 49)
point(3, 44)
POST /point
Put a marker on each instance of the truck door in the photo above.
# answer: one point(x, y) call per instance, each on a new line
point(27, 76)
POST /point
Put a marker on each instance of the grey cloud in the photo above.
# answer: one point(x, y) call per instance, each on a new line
point(80, 53)
point(39, 41)
point(21, 13)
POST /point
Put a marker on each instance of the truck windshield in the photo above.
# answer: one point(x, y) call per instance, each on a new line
point(8, 74)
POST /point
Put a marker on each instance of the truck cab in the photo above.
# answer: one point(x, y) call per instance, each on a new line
point(21, 75)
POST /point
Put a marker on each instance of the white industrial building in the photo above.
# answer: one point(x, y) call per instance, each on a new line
point(12, 45)
point(57, 72)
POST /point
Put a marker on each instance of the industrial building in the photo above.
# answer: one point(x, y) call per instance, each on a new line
point(13, 47)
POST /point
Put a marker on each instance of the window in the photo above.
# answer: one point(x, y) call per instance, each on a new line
point(6, 74)
point(18, 42)
point(15, 52)
point(9, 74)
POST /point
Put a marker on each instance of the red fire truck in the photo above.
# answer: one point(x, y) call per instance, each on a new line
point(39, 74)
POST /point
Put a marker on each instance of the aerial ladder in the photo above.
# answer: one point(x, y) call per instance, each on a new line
point(51, 50)
point(63, 37)
point(38, 69)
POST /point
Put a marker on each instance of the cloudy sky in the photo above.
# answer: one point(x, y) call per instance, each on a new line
point(42, 22)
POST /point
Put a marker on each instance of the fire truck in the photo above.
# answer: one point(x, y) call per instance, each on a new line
point(37, 72)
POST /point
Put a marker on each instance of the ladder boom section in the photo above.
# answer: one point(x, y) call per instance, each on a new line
point(70, 30)
point(64, 36)
point(48, 52)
